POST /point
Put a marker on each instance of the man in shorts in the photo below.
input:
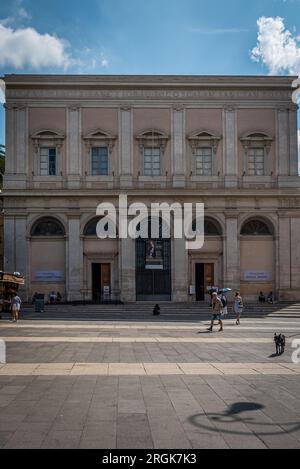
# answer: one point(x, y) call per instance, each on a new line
point(217, 307)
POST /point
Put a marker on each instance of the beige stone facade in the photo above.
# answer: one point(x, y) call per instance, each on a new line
point(73, 142)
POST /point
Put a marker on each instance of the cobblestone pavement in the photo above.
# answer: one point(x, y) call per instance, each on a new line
point(149, 383)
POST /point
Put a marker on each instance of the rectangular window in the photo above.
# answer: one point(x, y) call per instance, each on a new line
point(99, 161)
point(203, 162)
point(256, 161)
point(48, 161)
point(152, 162)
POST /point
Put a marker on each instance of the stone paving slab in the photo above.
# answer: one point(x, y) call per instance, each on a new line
point(141, 369)
point(148, 385)
point(143, 326)
point(195, 340)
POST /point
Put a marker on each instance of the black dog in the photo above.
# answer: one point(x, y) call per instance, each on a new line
point(279, 343)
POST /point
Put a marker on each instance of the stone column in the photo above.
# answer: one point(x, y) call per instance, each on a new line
point(293, 169)
point(9, 244)
point(179, 271)
point(74, 259)
point(232, 257)
point(16, 161)
point(74, 146)
point(127, 270)
point(22, 141)
point(9, 140)
point(282, 141)
point(21, 261)
point(230, 146)
point(178, 149)
point(125, 147)
point(284, 254)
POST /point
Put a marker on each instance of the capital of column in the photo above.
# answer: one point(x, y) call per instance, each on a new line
point(230, 107)
point(74, 107)
point(126, 107)
point(178, 107)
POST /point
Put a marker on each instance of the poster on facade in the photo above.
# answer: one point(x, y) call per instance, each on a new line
point(154, 255)
point(257, 276)
point(49, 276)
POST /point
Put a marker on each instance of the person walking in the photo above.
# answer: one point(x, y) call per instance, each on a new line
point(217, 307)
point(156, 310)
point(224, 311)
point(15, 307)
point(238, 307)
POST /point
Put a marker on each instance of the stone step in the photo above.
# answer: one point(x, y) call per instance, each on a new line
point(166, 308)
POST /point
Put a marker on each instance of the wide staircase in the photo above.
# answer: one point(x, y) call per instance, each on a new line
point(143, 311)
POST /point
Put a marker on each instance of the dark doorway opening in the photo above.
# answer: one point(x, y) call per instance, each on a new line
point(100, 282)
point(204, 275)
point(153, 270)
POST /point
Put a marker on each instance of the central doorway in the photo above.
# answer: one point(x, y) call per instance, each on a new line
point(153, 270)
point(100, 281)
point(204, 275)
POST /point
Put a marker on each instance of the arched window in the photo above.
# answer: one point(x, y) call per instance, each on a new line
point(47, 226)
point(256, 228)
point(90, 228)
point(211, 227)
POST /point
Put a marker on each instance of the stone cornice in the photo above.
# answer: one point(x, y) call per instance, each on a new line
point(149, 80)
point(137, 88)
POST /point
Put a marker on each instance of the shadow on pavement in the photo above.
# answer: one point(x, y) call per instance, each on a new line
point(234, 415)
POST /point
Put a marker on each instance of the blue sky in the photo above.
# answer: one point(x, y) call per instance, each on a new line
point(149, 37)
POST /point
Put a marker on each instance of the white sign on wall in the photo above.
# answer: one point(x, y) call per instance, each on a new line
point(257, 275)
point(52, 276)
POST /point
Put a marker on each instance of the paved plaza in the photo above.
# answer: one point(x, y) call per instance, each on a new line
point(100, 379)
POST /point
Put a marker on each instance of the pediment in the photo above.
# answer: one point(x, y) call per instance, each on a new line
point(152, 134)
point(256, 136)
point(99, 134)
point(204, 135)
point(47, 134)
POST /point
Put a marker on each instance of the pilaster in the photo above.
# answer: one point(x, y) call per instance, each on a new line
point(230, 146)
point(125, 146)
point(178, 149)
point(73, 146)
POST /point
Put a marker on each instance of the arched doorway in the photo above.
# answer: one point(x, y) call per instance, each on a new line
point(100, 265)
point(257, 257)
point(153, 266)
point(206, 265)
point(48, 256)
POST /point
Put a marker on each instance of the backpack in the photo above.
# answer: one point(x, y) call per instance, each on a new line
point(224, 301)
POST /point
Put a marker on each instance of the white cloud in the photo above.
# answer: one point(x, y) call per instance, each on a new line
point(276, 47)
point(27, 48)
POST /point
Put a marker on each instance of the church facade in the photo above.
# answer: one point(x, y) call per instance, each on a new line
point(73, 142)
